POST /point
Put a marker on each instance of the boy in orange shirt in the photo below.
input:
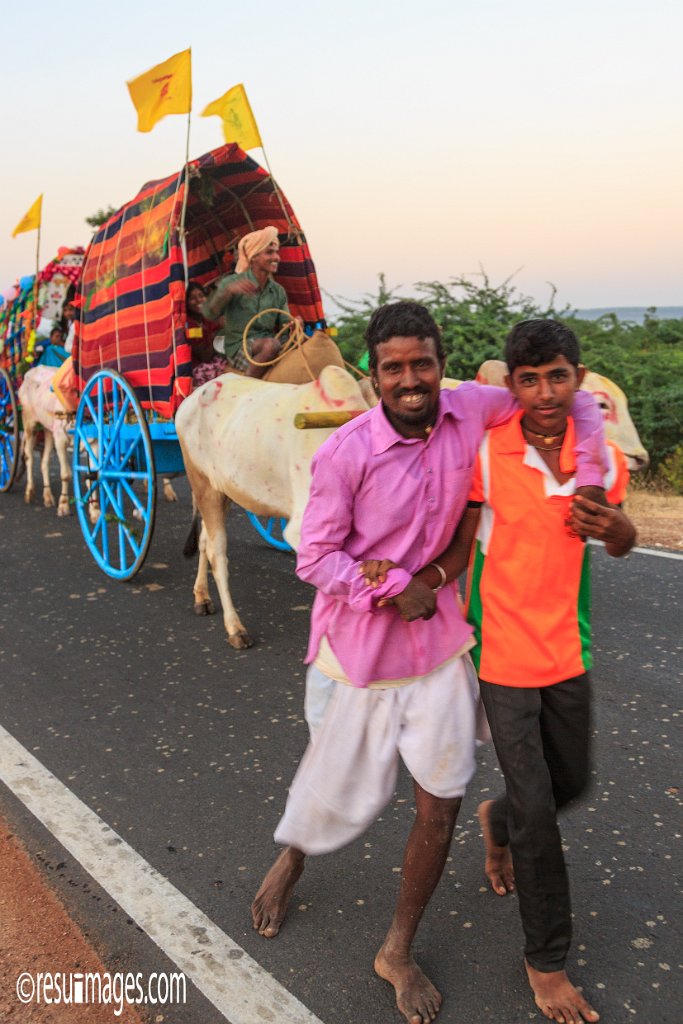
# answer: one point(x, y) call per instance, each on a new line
point(528, 600)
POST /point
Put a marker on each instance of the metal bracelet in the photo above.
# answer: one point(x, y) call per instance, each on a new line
point(442, 573)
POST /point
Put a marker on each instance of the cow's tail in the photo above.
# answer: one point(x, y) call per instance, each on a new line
point(192, 543)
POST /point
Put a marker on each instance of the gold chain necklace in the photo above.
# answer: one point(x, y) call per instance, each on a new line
point(542, 448)
point(544, 437)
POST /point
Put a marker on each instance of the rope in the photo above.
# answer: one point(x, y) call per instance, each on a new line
point(297, 337)
point(354, 369)
point(295, 341)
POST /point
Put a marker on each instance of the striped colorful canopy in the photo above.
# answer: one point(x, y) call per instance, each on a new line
point(133, 284)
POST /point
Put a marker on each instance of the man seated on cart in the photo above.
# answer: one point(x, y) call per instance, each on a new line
point(240, 296)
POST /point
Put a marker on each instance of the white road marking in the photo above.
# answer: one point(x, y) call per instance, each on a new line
point(643, 551)
point(236, 985)
point(657, 554)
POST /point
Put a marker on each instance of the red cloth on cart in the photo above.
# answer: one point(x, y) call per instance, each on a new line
point(133, 283)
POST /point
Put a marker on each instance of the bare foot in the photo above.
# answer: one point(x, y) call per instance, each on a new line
point(271, 901)
point(498, 866)
point(416, 997)
point(557, 999)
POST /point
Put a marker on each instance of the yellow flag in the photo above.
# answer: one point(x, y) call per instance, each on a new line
point(164, 89)
point(238, 121)
point(31, 219)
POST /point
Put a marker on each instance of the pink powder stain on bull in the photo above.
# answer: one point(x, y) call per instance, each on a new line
point(210, 393)
point(325, 397)
point(610, 412)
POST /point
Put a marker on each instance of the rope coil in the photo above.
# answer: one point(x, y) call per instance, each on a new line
point(297, 337)
point(295, 340)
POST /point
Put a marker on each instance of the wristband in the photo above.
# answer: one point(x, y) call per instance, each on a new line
point(442, 573)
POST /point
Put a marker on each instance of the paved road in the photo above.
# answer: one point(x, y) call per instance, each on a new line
point(186, 747)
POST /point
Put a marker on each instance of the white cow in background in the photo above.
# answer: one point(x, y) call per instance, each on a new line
point(239, 443)
point(619, 427)
point(40, 407)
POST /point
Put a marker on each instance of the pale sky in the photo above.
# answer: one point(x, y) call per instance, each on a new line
point(424, 140)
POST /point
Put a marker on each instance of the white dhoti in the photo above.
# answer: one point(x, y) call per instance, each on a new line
point(348, 773)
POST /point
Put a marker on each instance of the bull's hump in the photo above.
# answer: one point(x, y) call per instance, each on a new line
point(338, 389)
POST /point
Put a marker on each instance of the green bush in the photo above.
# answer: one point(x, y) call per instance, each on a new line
point(671, 470)
point(353, 319)
point(646, 360)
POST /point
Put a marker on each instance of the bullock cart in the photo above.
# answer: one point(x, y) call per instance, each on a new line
point(133, 358)
point(12, 352)
point(9, 431)
point(22, 314)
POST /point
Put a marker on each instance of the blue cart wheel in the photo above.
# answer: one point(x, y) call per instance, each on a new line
point(271, 530)
point(113, 467)
point(9, 432)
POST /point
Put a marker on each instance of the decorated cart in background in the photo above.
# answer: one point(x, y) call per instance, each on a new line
point(133, 359)
point(25, 318)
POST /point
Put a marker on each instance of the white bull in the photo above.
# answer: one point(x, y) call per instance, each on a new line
point(239, 443)
point(40, 407)
point(619, 427)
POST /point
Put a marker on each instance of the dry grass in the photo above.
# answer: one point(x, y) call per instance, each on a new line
point(657, 517)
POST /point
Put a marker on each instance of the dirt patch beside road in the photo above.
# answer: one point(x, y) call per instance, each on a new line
point(657, 517)
point(38, 935)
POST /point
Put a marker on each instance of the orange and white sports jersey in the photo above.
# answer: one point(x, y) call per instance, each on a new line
point(528, 585)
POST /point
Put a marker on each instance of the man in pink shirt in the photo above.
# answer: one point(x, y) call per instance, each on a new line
point(389, 679)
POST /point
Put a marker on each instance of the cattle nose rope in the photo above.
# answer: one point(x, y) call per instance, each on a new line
point(296, 339)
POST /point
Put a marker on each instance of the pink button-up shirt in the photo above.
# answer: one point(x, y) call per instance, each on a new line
point(376, 494)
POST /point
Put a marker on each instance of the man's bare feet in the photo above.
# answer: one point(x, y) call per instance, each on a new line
point(498, 866)
point(558, 999)
point(271, 901)
point(416, 997)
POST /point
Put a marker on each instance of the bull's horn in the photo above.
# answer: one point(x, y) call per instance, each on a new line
point(310, 420)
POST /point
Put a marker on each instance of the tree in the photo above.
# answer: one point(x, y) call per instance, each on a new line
point(97, 219)
point(353, 320)
point(646, 360)
point(475, 318)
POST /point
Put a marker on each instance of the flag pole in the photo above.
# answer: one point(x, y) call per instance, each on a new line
point(35, 283)
point(181, 233)
point(185, 196)
point(277, 190)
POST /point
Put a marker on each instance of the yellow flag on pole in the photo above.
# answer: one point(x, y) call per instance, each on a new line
point(31, 219)
point(164, 89)
point(238, 121)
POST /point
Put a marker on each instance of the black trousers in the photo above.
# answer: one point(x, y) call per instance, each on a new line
point(542, 739)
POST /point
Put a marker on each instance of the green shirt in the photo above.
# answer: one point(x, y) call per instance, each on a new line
point(239, 309)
